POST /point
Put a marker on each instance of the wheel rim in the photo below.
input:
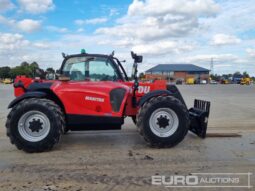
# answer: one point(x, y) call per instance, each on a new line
point(34, 126)
point(164, 122)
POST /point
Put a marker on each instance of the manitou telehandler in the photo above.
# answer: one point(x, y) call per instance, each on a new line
point(93, 92)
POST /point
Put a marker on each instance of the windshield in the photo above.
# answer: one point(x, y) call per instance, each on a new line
point(90, 68)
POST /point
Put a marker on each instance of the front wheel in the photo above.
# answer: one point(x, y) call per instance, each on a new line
point(35, 125)
point(163, 121)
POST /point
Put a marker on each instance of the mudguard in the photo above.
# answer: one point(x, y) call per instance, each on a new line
point(198, 115)
point(172, 90)
point(26, 95)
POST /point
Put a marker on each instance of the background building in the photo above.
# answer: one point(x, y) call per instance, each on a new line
point(177, 72)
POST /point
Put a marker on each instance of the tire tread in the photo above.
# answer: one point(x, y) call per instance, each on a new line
point(58, 116)
point(143, 110)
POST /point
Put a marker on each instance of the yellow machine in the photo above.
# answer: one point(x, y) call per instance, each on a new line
point(224, 81)
point(245, 81)
point(7, 81)
point(190, 81)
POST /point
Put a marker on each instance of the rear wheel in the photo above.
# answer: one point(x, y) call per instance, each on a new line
point(35, 125)
point(134, 119)
point(163, 121)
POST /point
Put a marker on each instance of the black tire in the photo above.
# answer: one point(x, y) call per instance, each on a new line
point(134, 119)
point(147, 110)
point(49, 109)
point(66, 130)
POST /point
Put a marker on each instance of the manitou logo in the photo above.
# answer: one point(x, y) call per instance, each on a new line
point(144, 89)
point(94, 99)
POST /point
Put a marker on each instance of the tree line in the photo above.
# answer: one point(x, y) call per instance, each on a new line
point(29, 70)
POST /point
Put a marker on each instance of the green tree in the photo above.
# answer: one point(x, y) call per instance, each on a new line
point(246, 75)
point(24, 64)
point(50, 70)
point(34, 65)
point(237, 73)
point(26, 69)
point(20, 70)
point(5, 72)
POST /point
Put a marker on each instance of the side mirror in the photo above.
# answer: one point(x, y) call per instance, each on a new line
point(137, 58)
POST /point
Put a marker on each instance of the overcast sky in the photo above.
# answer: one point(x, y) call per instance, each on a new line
point(164, 31)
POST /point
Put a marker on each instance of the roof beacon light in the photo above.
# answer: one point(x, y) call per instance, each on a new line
point(83, 51)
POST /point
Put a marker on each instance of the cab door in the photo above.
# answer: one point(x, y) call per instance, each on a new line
point(88, 91)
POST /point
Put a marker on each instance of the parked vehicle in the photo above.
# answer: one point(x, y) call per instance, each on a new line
point(203, 82)
point(7, 81)
point(190, 81)
point(224, 81)
point(93, 92)
point(213, 82)
point(236, 79)
point(179, 81)
point(245, 81)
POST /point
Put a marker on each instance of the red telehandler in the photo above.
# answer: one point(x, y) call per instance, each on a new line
point(93, 92)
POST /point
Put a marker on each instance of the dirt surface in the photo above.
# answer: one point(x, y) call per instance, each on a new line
point(120, 160)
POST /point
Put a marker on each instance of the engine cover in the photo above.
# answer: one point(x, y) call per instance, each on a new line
point(92, 98)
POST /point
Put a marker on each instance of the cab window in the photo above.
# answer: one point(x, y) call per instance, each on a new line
point(90, 68)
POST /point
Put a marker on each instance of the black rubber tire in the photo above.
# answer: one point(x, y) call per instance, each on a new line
point(66, 130)
point(147, 109)
point(134, 119)
point(50, 109)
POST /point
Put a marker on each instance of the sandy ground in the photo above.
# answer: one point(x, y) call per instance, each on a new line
point(120, 160)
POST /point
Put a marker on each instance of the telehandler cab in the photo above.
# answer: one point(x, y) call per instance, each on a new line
point(93, 92)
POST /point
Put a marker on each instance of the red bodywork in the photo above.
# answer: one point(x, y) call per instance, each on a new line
point(26, 81)
point(76, 96)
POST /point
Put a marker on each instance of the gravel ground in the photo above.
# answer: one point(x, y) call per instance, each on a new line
point(120, 160)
